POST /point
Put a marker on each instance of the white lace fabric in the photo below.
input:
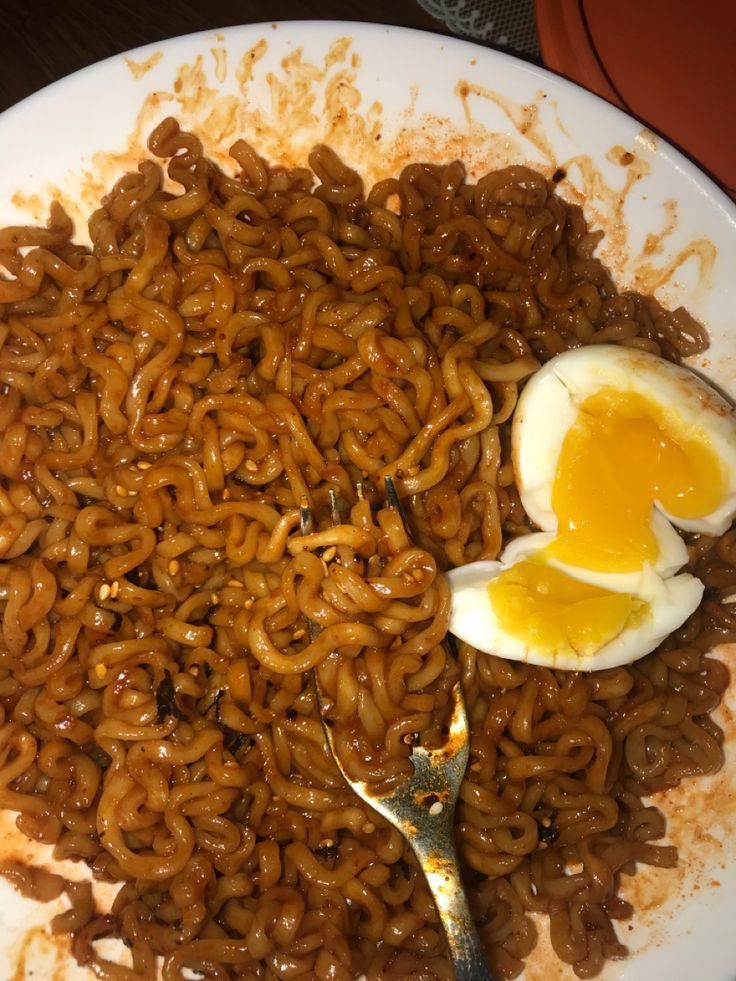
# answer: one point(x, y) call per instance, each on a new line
point(505, 23)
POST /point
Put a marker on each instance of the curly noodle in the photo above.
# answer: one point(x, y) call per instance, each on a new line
point(169, 398)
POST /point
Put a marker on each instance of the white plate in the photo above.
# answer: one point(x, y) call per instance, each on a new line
point(382, 96)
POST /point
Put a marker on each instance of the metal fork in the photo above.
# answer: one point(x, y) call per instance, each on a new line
point(422, 808)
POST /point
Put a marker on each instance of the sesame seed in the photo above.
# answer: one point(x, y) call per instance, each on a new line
point(235, 583)
point(325, 568)
point(104, 592)
point(115, 589)
point(417, 574)
point(329, 554)
point(144, 465)
point(121, 491)
point(251, 466)
point(100, 670)
point(475, 767)
point(174, 567)
point(368, 828)
point(214, 599)
point(194, 671)
point(226, 495)
point(249, 603)
point(298, 634)
point(326, 842)
point(436, 808)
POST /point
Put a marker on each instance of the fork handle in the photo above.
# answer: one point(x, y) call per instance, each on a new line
point(441, 869)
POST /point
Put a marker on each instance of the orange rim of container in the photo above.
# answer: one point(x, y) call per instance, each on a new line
point(568, 47)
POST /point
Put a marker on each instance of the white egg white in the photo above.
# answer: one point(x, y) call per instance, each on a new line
point(548, 407)
point(473, 620)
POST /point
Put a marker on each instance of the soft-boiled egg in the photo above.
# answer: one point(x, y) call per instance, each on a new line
point(611, 447)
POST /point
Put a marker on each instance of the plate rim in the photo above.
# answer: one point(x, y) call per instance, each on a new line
point(700, 183)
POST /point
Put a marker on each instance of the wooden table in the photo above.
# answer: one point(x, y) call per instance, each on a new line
point(43, 40)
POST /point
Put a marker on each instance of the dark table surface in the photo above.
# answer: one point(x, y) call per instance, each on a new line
point(43, 40)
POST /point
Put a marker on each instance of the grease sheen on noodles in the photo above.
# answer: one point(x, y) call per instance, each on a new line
point(224, 351)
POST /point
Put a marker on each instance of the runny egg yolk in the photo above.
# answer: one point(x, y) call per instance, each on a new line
point(551, 612)
point(623, 452)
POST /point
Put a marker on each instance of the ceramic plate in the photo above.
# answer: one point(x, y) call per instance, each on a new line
point(383, 97)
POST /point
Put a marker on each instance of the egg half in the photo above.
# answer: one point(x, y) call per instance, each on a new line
point(613, 450)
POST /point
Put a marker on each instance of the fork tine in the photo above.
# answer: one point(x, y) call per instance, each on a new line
point(306, 526)
point(391, 496)
point(306, 523)
point(334, 510)
point(394, 502)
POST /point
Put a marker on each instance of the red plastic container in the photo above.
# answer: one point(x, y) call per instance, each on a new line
point(669, 62)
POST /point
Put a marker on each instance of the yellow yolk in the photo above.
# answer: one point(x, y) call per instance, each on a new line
point(553, 613)
point(623, 452)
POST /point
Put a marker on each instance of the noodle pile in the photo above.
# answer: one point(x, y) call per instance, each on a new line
point(224, 352)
